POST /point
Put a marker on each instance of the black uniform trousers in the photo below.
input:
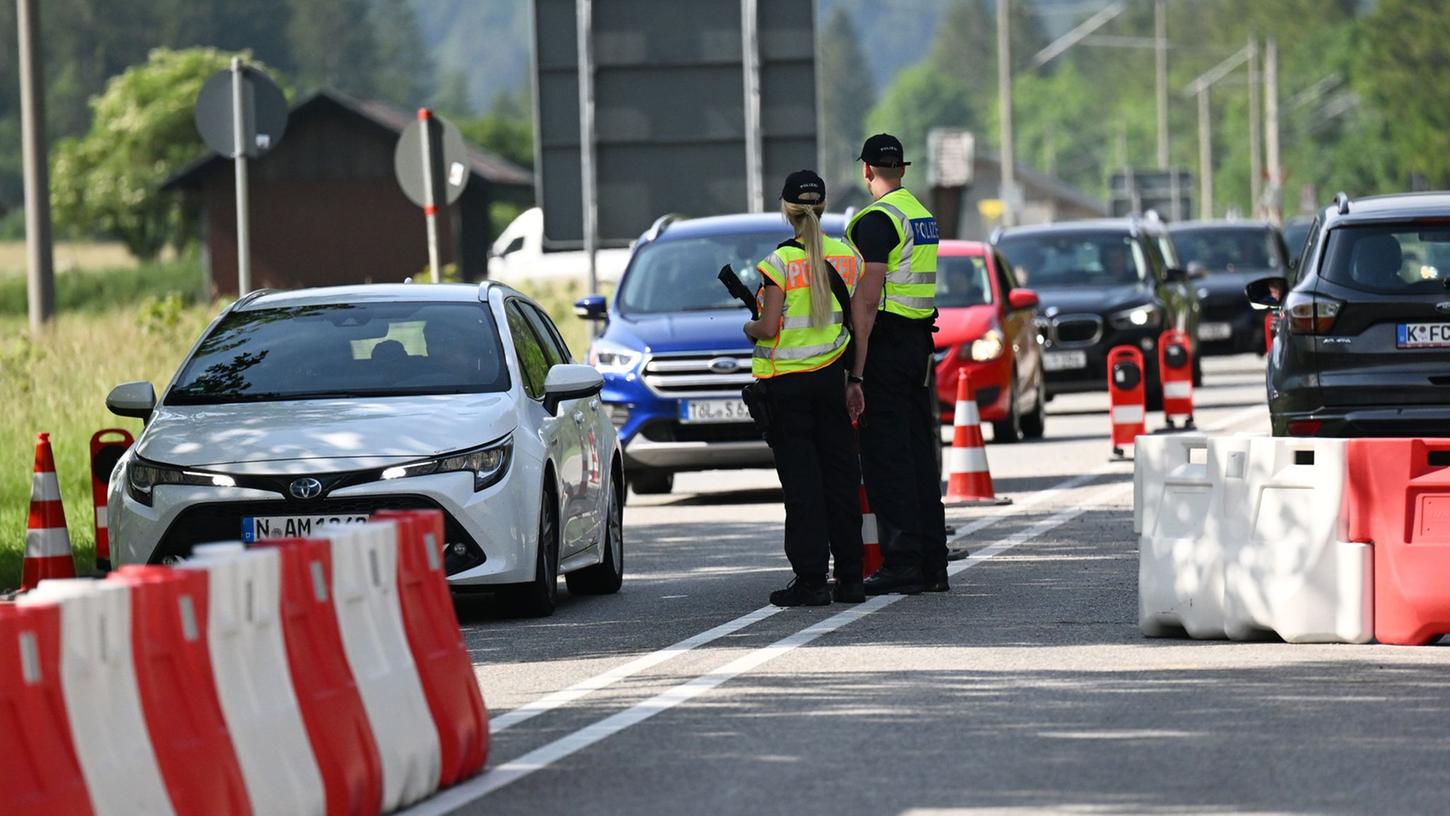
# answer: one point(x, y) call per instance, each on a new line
point(820, 473)
point(899, 445)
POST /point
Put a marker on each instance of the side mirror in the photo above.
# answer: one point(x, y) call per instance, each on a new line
point(132, 399)
point(1176, 274)
point(567, 382)
point(591, 307)
point(1197, 270)
point(1266, 293)
point(1020, 300)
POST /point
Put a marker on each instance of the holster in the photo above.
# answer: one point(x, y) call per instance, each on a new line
point(757, 401)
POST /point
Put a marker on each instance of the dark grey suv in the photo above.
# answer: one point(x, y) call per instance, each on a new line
point(1362, 334)
point(1224, 257)
point(1102, 284)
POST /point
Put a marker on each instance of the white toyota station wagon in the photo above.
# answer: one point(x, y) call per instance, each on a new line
point(298, 409)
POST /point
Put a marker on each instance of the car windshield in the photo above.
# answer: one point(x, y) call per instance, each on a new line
point(1050, 259)
point(680, 275)
point(1390, 258)
point(1225, 250)
point(962, 281)
point(341, 350)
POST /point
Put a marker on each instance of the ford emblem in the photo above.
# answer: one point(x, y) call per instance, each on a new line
point(724, 365)
point(1443, 307)
point(305, 488)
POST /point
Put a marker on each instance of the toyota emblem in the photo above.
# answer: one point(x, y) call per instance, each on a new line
point(724, 365)
point(305, 488)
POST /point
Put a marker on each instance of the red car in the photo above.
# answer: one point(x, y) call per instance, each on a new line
point(988, 328)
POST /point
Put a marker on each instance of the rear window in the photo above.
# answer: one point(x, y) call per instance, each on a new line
point(1389, 258)
point(1075, 259)
point(962, 281)
point(1227, 250)
point(343, 350)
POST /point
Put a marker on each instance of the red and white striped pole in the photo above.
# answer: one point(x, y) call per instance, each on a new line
point(47, 542)
point(430, 195)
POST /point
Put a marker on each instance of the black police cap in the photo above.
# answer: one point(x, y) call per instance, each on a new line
point(804, 187)
point(883, 150)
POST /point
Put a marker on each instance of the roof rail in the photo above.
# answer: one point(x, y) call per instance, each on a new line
point(249, 297)
point(660, 225)
point(483, 288)
point(1341, 202)
point(996, 233)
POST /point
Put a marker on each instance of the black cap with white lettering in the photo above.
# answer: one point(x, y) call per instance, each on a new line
point(883, 150)
point(804, 187)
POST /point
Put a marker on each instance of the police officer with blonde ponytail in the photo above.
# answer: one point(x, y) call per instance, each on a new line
point(801, 339)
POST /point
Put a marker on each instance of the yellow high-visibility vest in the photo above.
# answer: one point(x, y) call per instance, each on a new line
point(797, 346)
point(910, 289)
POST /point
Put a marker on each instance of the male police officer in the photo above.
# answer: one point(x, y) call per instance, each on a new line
point(894, 314)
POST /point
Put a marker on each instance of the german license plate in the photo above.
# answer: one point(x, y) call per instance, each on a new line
point(717, 410)
point(261, 528)
point(1423, 335)
point(1215, 331)
point(1063, 360)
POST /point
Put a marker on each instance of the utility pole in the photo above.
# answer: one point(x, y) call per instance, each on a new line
point(1160, 64)
point(754, 147)
point(1205, 156)
point(1256, 132)
point(1271, 129)
point(1008, 192)
point(39, 261)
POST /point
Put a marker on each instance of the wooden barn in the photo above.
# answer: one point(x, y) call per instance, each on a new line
point(327, 210)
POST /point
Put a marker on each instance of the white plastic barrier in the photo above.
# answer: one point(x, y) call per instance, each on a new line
point(1177, 510)
point(253, 681)
point(1288, 570)
point(365, 595)
point(98, 680)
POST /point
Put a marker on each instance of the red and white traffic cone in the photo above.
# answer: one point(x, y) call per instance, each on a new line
point(871, 559)
point(47, 542)
point(969, 479)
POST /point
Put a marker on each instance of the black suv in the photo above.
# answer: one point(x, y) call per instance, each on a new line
point(1224, 257)
point(1102, 284)
point(1362, 335)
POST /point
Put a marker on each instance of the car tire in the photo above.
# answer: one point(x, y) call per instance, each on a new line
point(652, 482)
point(1034, 425)
point(607, 576)
point(1009, 430)
point(537, 598)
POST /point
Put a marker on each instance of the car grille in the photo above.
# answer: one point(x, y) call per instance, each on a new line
point(1077, 330)
point(670, 430)
point(694, 374)
point(222, 521)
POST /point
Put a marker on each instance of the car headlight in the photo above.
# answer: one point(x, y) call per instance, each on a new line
point(142, 477)
point(488, 464)
point(1138, 317)
point(612, 357)
point(987, 347)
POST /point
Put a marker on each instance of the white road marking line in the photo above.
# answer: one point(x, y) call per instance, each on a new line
point(545, 756)
point(585, 687)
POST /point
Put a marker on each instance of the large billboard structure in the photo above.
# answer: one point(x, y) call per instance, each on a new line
point(698, 108)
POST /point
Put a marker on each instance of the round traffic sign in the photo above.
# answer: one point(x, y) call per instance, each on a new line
point(264, 113)
point(449, 158)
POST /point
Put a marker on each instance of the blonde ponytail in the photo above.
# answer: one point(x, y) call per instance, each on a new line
point(806, 219)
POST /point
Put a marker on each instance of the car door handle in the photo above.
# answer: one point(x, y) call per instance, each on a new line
point(579, 417)
point(594, 404)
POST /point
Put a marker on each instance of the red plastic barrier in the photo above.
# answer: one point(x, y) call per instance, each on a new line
point(1126, 396)
point(40, 774)
point(1175, 370)
point(332, 710)
point(178, 691)
point(444, 666)
point(1398, 498)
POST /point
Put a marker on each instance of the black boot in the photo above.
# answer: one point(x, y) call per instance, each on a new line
point(935, 580)
point(798, 594)
point(852, 592)
point(894, 580)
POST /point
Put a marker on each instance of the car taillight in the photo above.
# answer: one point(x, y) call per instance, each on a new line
point(1305, 427)
point(1311, 314)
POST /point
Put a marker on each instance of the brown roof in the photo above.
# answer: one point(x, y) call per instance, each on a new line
point(490, 167)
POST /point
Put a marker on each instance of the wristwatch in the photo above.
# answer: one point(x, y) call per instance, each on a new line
point(852, 378)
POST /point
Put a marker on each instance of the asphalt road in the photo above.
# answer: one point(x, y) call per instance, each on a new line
point(1025, 689)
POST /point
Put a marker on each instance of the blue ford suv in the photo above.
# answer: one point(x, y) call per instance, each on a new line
point(672, 352)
